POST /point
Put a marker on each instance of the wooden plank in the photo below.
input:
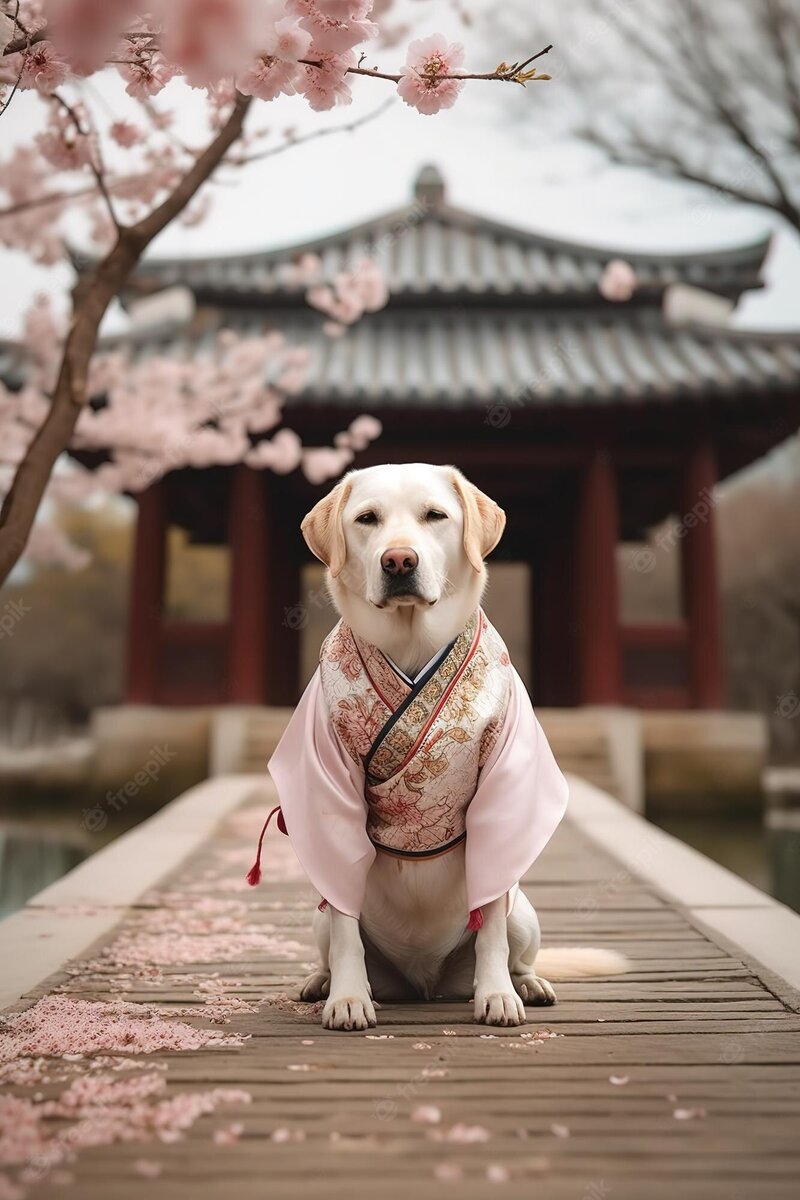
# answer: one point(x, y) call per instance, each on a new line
point(689, 1028)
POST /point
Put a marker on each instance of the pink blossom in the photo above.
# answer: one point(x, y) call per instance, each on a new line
point(48, 546)
point(125, 133)
point(229, 1135)
point(282, 453)
point(618, 281)
point(422, 84)
point(467, 1133)
point(197, 212)
point(44, 69)
point(326, 85)
point(269, 77)
point(287, 40)
point(64, 148)
point(497, 1173)
point(147, 73)
point(148, 1168)
point(363, 430)
point(210, 40)
point(448, 1172)
point(336, 25)
point(427, 1114)
point(325, 462)
point(86, 31)
point(363, 289)
point(307, 268)
point(333, 329)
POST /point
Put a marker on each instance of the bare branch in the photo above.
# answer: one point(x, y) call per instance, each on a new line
point(316, 135)
point(728, 118)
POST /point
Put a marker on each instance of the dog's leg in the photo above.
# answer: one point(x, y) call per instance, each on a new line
point(317, 984)
point(524, 939)
point(349, 1004)
point(496, 1002)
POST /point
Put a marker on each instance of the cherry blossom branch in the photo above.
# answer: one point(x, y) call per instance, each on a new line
point(95, 167)
point(90, 300)
point(18, 80)
point(516, 73)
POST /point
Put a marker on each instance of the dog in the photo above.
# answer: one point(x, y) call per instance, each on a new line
point(404, 547)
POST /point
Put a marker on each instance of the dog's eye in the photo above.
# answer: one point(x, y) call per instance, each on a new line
point(435, 514)
point(367, 518)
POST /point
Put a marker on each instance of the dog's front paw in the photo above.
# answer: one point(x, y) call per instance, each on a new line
point(316, 986)
point(349, 1012)
point(499, 1008)
point(534, 990)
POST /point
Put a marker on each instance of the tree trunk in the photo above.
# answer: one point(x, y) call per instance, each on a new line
point(90, 300)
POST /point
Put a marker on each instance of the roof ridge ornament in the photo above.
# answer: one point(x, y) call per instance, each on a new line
point(429, 187)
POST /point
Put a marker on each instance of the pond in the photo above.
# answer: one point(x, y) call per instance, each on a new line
point(40, 841)
point(29, 861)
point(769, 858)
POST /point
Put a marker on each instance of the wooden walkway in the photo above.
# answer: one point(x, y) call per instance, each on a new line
point(680, 1079)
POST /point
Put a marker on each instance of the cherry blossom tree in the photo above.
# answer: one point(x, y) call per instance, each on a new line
point(128, 180)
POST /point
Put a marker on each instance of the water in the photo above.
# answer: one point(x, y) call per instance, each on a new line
point(767, 858)
point(29, 861)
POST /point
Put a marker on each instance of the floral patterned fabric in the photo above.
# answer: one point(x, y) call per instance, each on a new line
point(458, 752)
point(421, 746)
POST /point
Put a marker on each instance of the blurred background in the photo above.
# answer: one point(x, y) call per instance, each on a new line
point(593, 310)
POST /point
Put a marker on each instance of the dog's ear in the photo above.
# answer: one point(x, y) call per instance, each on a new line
point(484, 521)
point(323, 531)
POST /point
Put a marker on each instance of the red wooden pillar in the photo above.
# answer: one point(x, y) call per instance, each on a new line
point(247, 538)
point(596, 577)
point(553, 617)
point(284, 616)
point(700, 586)
point(146, 601)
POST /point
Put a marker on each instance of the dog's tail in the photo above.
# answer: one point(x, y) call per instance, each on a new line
point(579, 962)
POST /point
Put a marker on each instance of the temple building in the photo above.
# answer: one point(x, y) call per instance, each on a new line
point(590, 422)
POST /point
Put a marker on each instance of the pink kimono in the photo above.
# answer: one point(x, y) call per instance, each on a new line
point(374, 762)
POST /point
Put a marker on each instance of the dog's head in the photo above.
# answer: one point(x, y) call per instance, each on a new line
point(401, 535)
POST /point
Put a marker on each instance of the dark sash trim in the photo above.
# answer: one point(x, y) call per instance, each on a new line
point(436, 852)
point(409, 700)
point(465, 645)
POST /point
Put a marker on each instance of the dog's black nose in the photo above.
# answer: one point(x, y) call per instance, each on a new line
point(399, 560)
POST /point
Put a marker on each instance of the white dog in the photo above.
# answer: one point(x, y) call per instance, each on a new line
point(404, 546)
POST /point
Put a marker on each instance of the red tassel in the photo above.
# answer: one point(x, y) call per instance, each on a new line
point(475, 921)
point(254, 874)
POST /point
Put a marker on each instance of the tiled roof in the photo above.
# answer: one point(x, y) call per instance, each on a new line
point(428, 357)
point(432, 249)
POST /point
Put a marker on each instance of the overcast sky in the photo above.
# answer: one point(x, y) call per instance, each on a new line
point(491, 164)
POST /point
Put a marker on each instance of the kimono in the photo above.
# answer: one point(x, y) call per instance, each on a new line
point(374, 762)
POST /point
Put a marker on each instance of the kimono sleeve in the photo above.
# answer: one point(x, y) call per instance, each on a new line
point(517, 807)
point(321, 793)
